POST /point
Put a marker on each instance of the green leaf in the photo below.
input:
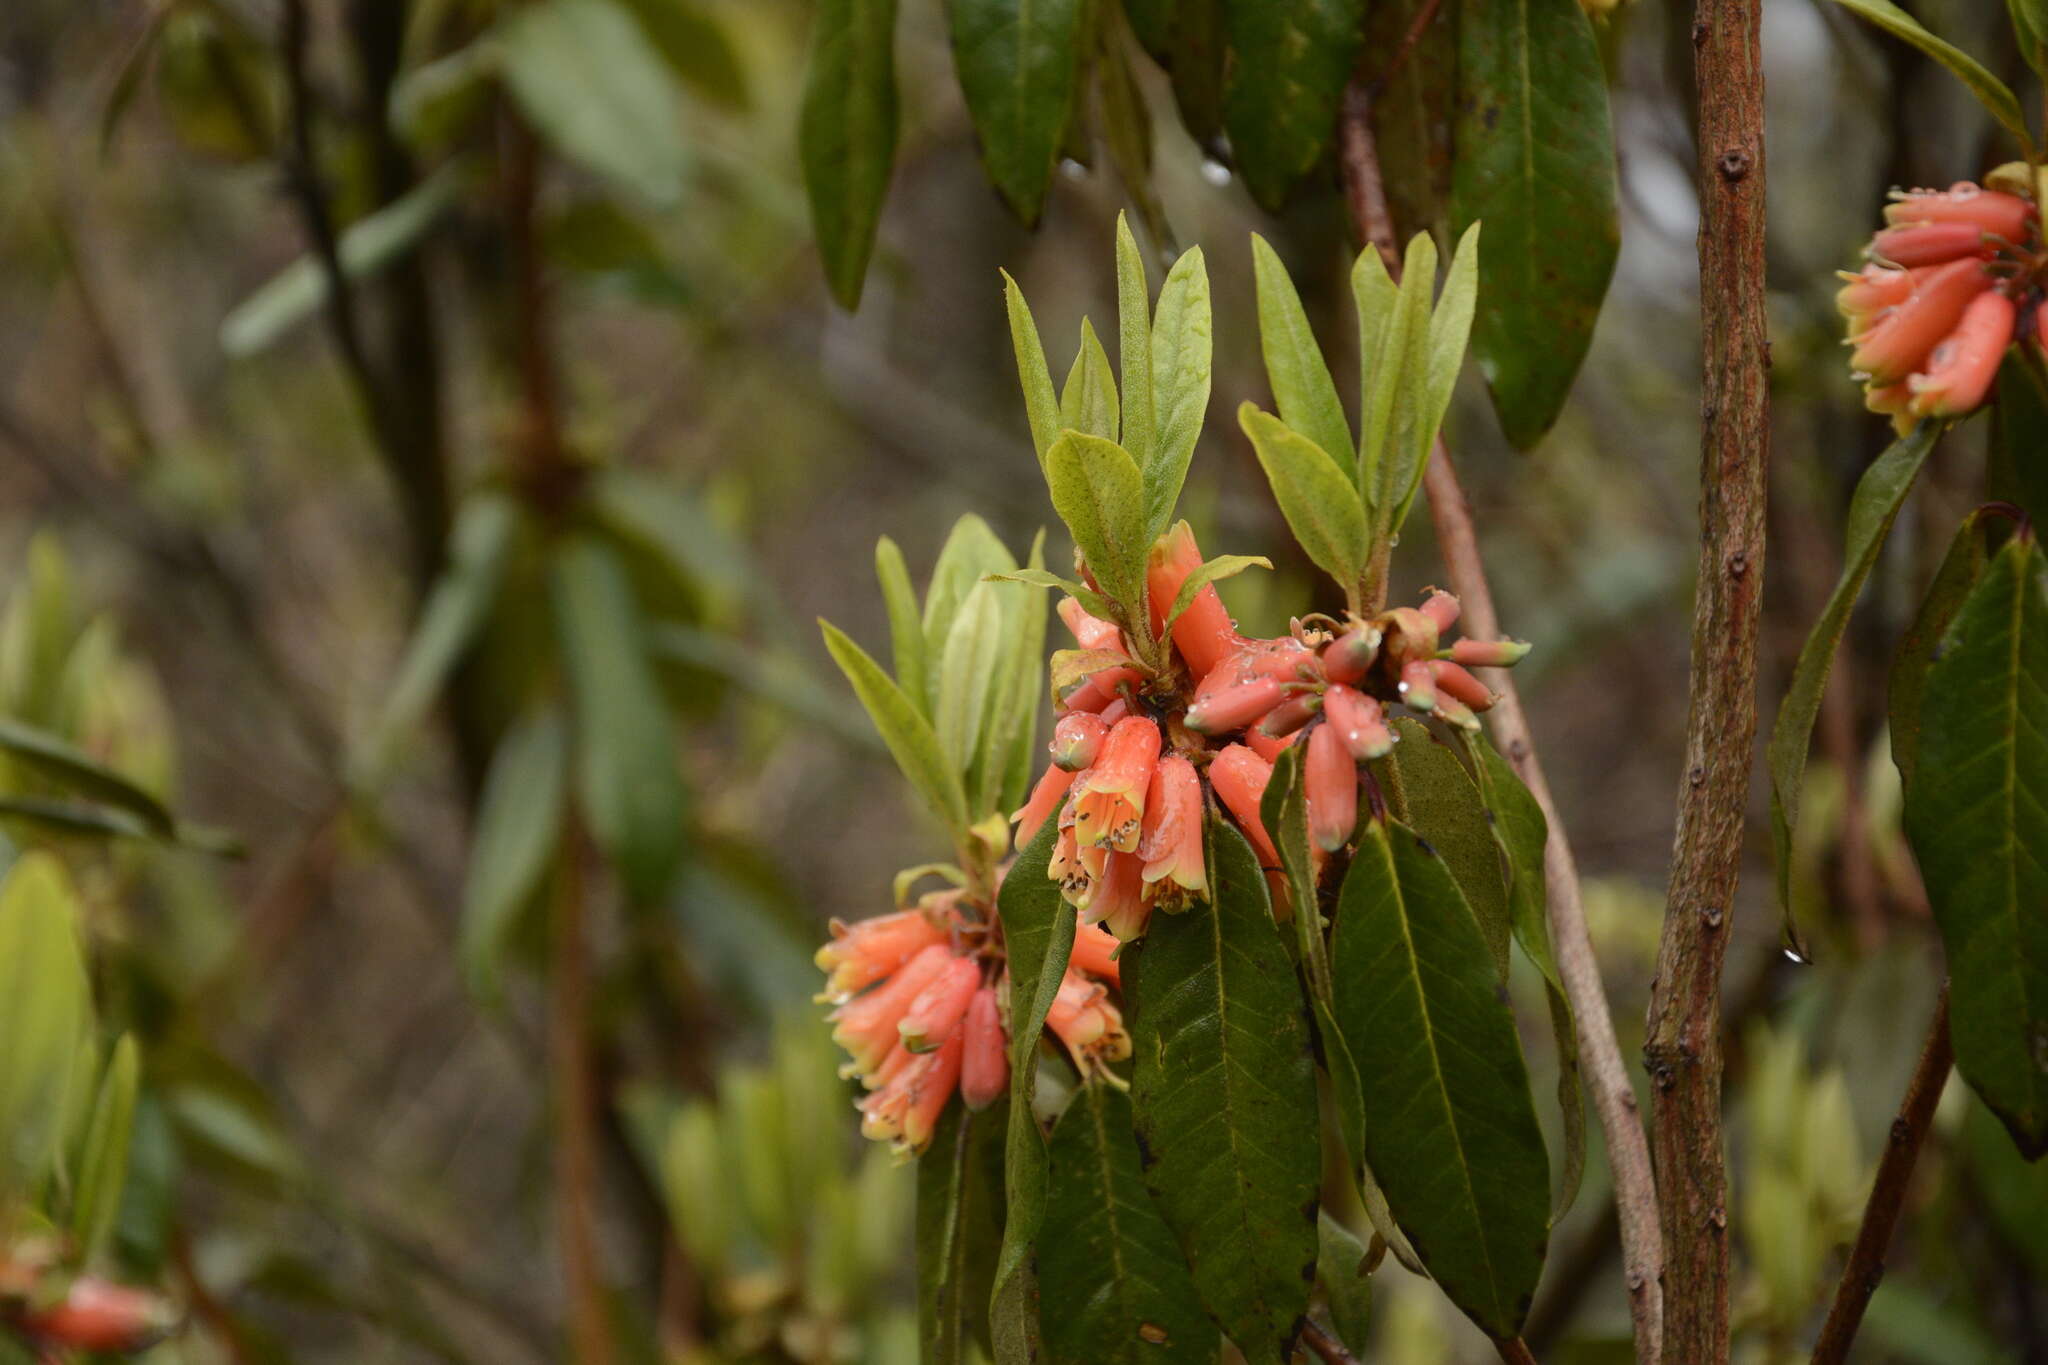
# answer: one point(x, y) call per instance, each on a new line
point(1341, 1268)
point(2019, 433)
point(586, 79)
point(1992, 93)
point(971, 553)
point(1879, 494)
point(1088, 401)
point(1038, 930)
point(959, 1221)
point(1018, 61)
point(1535, 162)
point(1181, 359)
point(1106, 1257)
point(2030, 27)
point(103, 1162)
point(910, 737)
point(906, 621)
point(1198, 53)
point(1960, 569)
point(969, 679)
point(1093, 602)
point(1284, 812)
point(1412, 108)
point(846, 134)
point(1302, 387)
point(674, 526)
point(1100, 495)
point(80, 774)
point(1040, 406)
point(518, 826)
point(1450, 326)
point(45, 1014)
point(1378, 300)
point(1205, 573)
point(1010, 743)
point(1319, 502)
point(697, 48)
point(1134, 347)
point(1396, 467)
point(1289, 62)
point(450, 620)
point(1442, 804)
point(1520, 827)
point(626, 774)
point(1225, 1097)
point(1450, 1129)
point(1977, 816)
point(369, 246)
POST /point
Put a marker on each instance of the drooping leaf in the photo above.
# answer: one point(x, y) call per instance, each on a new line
point(1134, 348)
point(1347, 1284)
point(1302, 388)
point(1442, 804)
point(45, 1014)
point(627, 777)
point(454, 612)
point(1100, 494)
point(1991, 92)
point(1289, 62)
point(588, 82)
point(1960, 569)
point(1181, 358)
point(1107, 1259)
point(1038, 930)
point(1450, 1129)
point(1319, 502)
point(959, 1223)
point(1088, 401)
point(1199, 52)
point(1127, 123)
point(906, 621)
point(1977, 816)
point(103, 1162)
point(1412, 111)
point(518, 827)
point(1224, 1092)
point(1536, 163)
point(71, 768)
point(1040, 405)
point(1879, 495)
point(1018, 61)
point(846, 134)
point(904, 729)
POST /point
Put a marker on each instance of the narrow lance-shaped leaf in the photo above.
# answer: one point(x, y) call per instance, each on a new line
point(45, 1012)
point(1205, 573)
point(1099, 493)
point(1092, 602)
point(1960, 569)
point(1977, 816)
point(1450, 326)
point(1224, 1092)
point(1320, 504)
point(1018, 61)
point(906, 621)
point(1181, 359)
point(518, 827)
point(1450, 1129)
point(1134, 347)
point(1088, 401)
point(1289, 62)
point(1536, 163)
point(1041, 407)
point(1302, 388)
point(904, 729)
point(971, 553)
point(103, 1164)
point(1879, 495)
point(80, 774)
point(1010, 740)
point(1107, 1260)
point(969, 680)
point(846, 134)
point(2019, 433)
point(1995, 95)
point(1405, 362)
point(1378, 301)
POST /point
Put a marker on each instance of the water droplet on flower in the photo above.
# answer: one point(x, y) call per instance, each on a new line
point(1072, 169)
point(1215, 172)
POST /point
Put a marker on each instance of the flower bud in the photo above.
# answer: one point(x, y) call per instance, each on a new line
point(936, 1013)
point(100, 1316)
point(1332, 787)
point(1266, 746)
point(1960, 371)
point(1418, 686)
point(1234, 707)
point(2004, 216)
point(1410, 635)
point(1347, 658)
point(1358, 721)
point(1871, 291)
point(1077, 739)
point(1897, 346)
point(984, 1052)
point(1441, 608)
point(1930, 244)
point(1455, 712)
point(866, 1025)
point(1204, 633)
point(930, 1087)
point(1090, 632)
point(1291, 714)
point(1455, 682)
point(861, 954)
point(1239, 778)
point(1489, 653)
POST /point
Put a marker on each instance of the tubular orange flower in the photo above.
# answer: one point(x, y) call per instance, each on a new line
point(1359, 722)
point(1116, 897)
point(1090, 632)
point(1234, 706)
point(1204, 633)
point(1960, 371)
point(1082, 1018)
point(984, 1052)
point(861, 954)
point(1046, 797)
point(1094, 953)
point(1872, 290)
point(1332, 789)
point(866, 1025)
point(1109, 799)
point(1291, 714)
point(1350, 656)
point(1266, 746)
point(98, 1315)
point(935, 1014)
point(1992, 212)
point(1418, 686)
point(1895, 347)
point(1077, 739)
point(1065, 866)
point(1239, 777)
point(1441, 608)
point(1930, 244)
point(1171, 846)
point(929, 1091)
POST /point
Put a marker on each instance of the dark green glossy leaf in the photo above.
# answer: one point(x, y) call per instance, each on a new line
point(1450, 1128)
point(1038, 930)
point(1441, 803)
point(1958, 574)
point(1977, 816)
point(1302, 388)
point(1320, 503)
point(1181, 363)
point(1289, 62)
point(1224, 1092)
point(1879, 495)
point(1536, 163)
point(959, 1224)
point(1018, 61)
point(1106, 1257)
point(518, 826)
point(1991, 92)
point(1199, 49)
point(626, 765)
point(1412, 113)
point(1088, 401)
point(2019, 438)
point(846, 134)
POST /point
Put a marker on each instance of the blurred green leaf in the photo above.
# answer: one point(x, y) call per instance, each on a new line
point(906, 621)
point(103, 1163)
point(1181, 362)
point(77, 772)
point(1088, 401)
point(101, 822)
point(1319, 502)
point(904, 729)
point(959, 1226)
point(2030, 27)
point(1289, 61)
point(626, 773)
point(1996, 97)
point(2019, 433)
point(1879, 495)
point(585, 77)
point(518, 828)
point(969, 680)
point(697, 48)
point(45, 1014)
point(1302, 388)
point(971, 553)
point(1341, 1268)
point(1915, 1328)
point(368, 247)
point(1978, 820)
point(1412, 108)
point(435, 102)
point(650, 511)
point(774, 677)
point(1450, 1129)
point(1442, 804)
point(1040, 406)
point(846, 136)
point(1958, 574)
point(1010, 749)
point(1099, 493)
point(1106, 1260)
point(1198, 54)
point(1535, 162)
point(1018, 61)
point(1233, 1163)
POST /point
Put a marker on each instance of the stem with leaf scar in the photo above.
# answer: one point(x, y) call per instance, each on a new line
point(1614, 1097)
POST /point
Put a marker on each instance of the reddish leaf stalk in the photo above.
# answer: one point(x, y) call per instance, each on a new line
point(1607, 1078)
point(1326, 1348)
point(1865, 1269)
point(1683, 1047)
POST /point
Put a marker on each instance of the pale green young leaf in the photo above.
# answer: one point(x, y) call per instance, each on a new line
point(1377, 299)
point(1302, 387)
point(1405, 365)
point(45, 1014)
point(1088, 400)
point(906, 621)
point(971, 553)
point(1099, 493)
point(904, 729)
point(103, 1162)
point(1041, 407)
point(518, 827)
point(1134, 347)
point(1320, 504)
point(846, 134)
point(1995, 95)
point(1450, 325)
point(1210, 571)
point(1181, 359)
point(1011, 736)
point(968, 680)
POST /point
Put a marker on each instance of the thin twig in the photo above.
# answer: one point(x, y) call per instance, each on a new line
point(1607, 1078)
point(1888, 1193)
point(1515, 1351)
point(1326, 1347)
point(1424, 17)
point(575, 1106)
point(1683, 1046)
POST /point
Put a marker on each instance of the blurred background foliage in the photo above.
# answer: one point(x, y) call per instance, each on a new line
point(587, 413)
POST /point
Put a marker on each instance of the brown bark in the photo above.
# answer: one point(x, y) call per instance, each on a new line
point(1683, 1047)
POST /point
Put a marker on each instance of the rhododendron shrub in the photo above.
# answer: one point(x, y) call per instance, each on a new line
point(1250, 877)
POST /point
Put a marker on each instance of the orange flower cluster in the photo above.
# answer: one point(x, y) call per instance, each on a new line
point(1132, 755)
point(1953, 280)
point(920, 997)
